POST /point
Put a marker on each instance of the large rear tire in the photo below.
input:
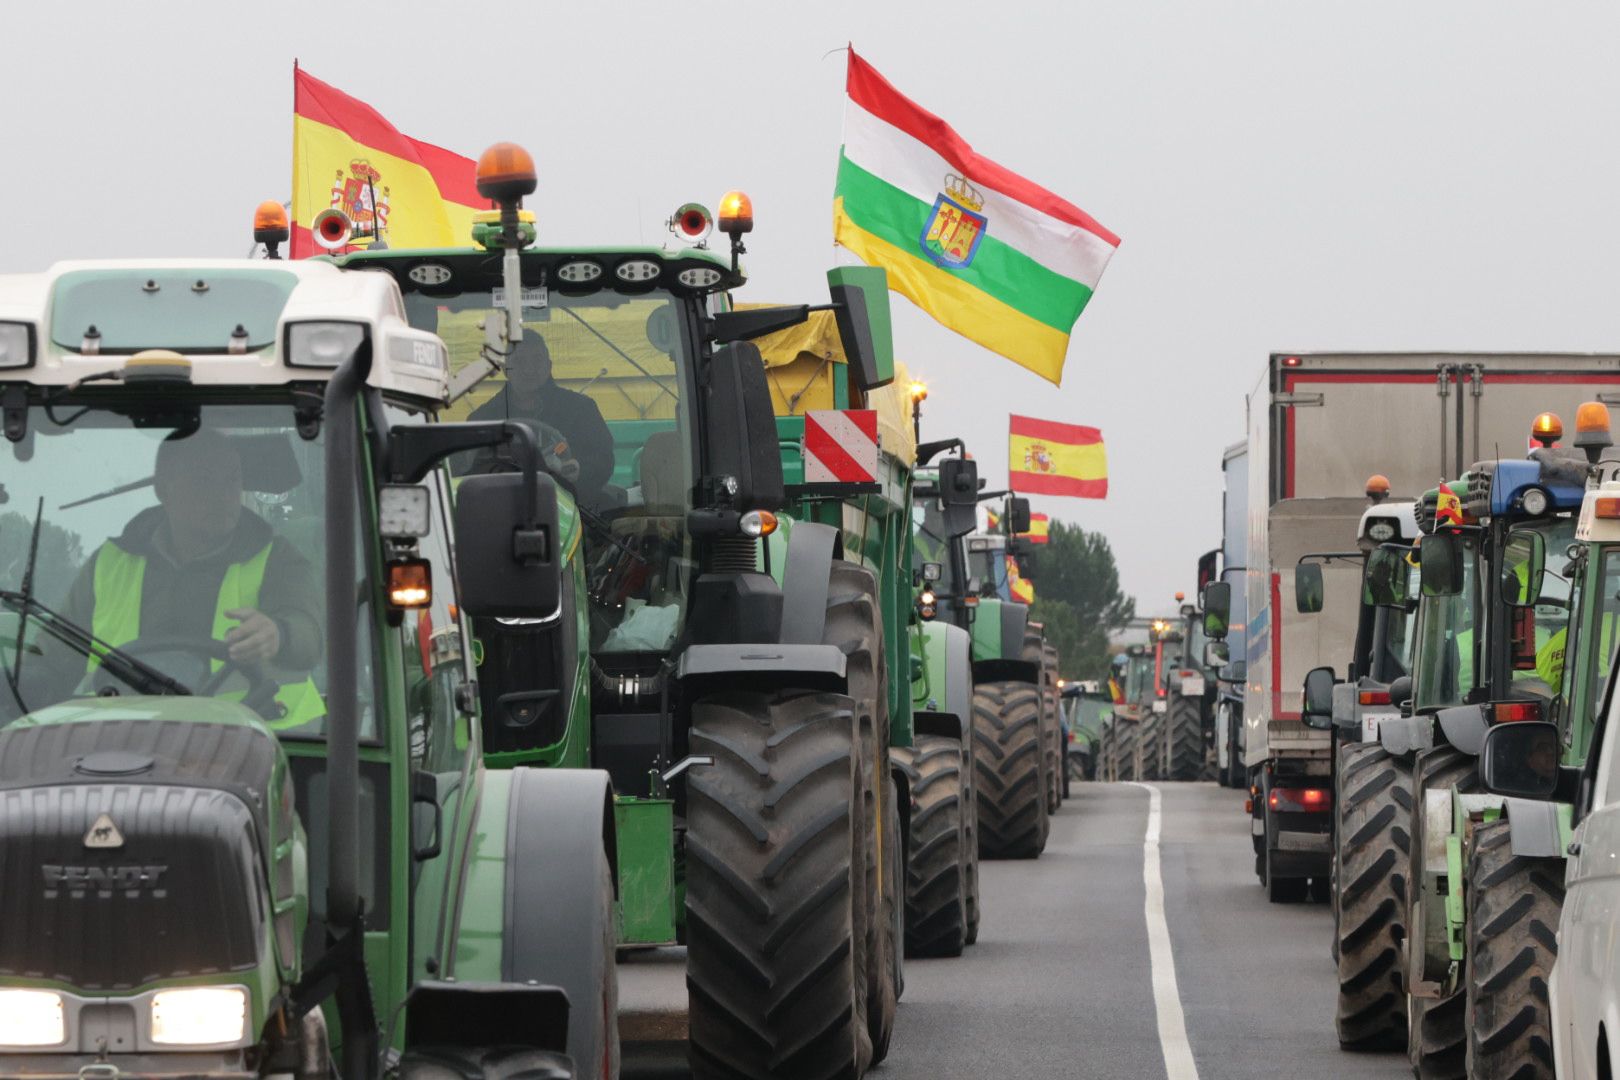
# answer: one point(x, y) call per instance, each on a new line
point(484, 1063)
point(771, 882)
point(1007, 770)
point(1150, 740)
point(1374, 845)
point(1053, 702)
point(1437, 1041)
point(936, 869)
point(1513, 905)
point(1127, 734)
point(1186, 724)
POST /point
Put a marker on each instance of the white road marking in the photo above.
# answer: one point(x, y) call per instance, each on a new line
point(1178, 1059)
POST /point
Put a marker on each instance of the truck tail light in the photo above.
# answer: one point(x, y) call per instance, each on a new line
point(1375, 697)
point(1298, 800)
point(1504, 712)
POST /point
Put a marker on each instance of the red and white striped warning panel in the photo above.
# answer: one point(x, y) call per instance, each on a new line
point(840, 446)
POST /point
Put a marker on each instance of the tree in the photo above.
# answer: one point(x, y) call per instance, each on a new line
point(1078, 598)
point(61, 554)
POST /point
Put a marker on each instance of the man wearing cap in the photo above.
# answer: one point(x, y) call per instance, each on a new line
point(530, 394)
point(198, 566)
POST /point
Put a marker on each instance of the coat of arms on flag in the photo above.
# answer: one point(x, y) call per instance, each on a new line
point(361, 198)
point(954, 227)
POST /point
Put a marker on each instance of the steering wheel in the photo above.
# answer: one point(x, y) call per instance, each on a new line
point(261, 691)
point(554, 448)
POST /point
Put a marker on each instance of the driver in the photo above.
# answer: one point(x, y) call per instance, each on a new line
point(530, 394)
point(199, 566)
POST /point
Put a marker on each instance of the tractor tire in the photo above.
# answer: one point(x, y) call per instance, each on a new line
point(970, 839)
point(1437, 1041)
point(1007, 772)
point(1374, 846)
point(1055, 769)
point(1513, 904)
point(773, 969)
point(1150, 740)
point(1186, 724)
point(1129, 734)
point(481, 1062)
point(1103, 748)
point(1034, 651)
point(1071, 765)
point(883, 1007)
point(854, 624)
point(936, 867)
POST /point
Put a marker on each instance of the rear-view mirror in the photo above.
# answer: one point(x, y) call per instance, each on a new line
point(743, 444)
point(1440, 564)
point(1308, 588)
point(1216, 654)
point(1017, 515)
point(1318, 711)
point(1217, 603)
point(959, 482)
point(1387, 577)
point(860, 296)
point(508, 565)
point(1524, 560)
point(1521, 759)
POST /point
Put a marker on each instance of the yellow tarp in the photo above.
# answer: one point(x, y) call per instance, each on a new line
point(798, 364)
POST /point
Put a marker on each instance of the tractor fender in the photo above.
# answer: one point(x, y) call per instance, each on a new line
point(558, 822)
point(1346, 696)
point(1014, 617)
point(952, 713)
point(1005, 670)
point(811, 549)
point(1464, 727)
point(1534, 827)
point(810, 667)
point(1404, 736)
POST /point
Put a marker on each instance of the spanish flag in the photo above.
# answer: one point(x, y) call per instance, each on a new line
point(1040, 529)
point(1021, 588)
point(993, 256)
point(1048, 458)
point(1447, 507)
point(346, 156)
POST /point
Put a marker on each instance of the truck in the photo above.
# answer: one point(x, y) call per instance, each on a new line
point(738, 598)
point(1319, 424)
point(1228, 659)
point(262, 837)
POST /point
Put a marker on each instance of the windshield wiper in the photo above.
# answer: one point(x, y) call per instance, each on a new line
point(137, 674)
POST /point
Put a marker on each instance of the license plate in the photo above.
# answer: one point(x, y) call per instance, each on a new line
point(536, 297)
point(1193, 686)
point(1370, 722)
point(1159, 706)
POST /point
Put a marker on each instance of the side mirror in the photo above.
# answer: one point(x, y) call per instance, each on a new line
point(860, 296)
point(1308, 588)
point(1217, 602)
point(507, 570)
point(1206, 567)
point(1017, 515)
point(1318, 712)
point(932, 571)
point(1440, 565)
point(1216, 654)
point(1521, 759)
point(1387, 577)
point(742, 428)
point(959, 482)
point(1524, 561)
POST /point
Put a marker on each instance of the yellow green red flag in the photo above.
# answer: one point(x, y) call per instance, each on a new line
point(346, 156)
point(1045, 457)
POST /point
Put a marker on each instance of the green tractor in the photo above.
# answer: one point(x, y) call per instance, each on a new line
point(1087, 711)
point(1015, 721)
point(736, 597)
point(942, 880)
point(246, 821)
point(1122, 748)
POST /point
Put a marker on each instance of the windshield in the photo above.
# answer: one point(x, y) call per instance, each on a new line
point(987, 566)
point(1594, 662)
point(190, 537)
point(603, 379)
point(1539, 635)
point(212, 310)
point(1394, 635)
point(1448, 649)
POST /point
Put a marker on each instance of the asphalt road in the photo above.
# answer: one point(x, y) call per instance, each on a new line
point(1060, 984)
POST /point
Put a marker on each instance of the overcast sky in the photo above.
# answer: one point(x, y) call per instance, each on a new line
point(1291, 175)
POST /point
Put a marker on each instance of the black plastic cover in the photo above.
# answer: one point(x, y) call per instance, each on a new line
point(489, 510)
point(740, 437)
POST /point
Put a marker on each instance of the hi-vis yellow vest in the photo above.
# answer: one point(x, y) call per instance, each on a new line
point(117, 619)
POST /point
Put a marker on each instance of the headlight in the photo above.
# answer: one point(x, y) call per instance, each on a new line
point(1381, 529)
point(323, 344)
point(16, 345)
point(31, 1018)
point(1534, 501)
point(200, 1016)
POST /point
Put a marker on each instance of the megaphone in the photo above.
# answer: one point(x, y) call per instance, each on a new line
point(331, 229)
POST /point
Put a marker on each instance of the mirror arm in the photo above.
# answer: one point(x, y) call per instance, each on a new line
point(926, 451)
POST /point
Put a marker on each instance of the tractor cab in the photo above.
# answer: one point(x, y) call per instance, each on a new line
point(241, 752)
